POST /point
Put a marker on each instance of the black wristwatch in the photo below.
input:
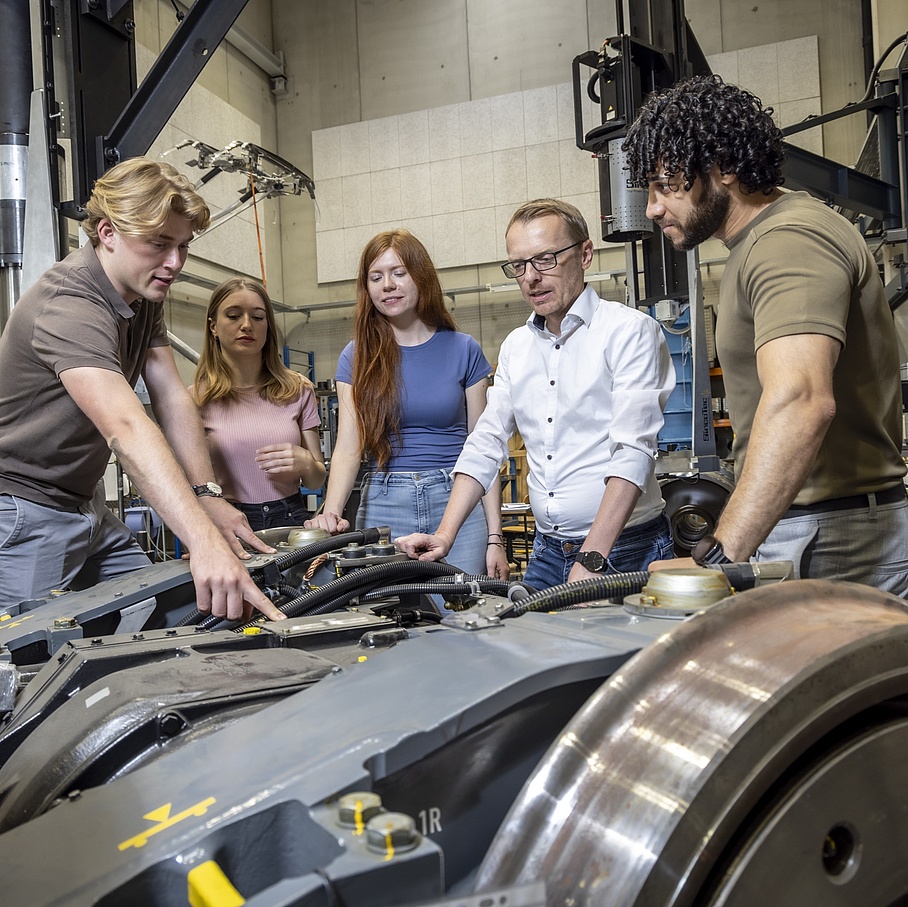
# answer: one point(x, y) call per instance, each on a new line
point(708, 552)
point(208, 490)
point(593, 561)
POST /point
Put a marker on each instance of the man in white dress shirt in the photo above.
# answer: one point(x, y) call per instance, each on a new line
point(584, 382)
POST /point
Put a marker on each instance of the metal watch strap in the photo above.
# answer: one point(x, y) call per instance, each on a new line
point(208, 490)
point(708, 552)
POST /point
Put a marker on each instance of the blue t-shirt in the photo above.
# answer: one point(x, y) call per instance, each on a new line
point(433, 418)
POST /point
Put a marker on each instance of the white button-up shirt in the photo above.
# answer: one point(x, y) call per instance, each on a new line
point(588, 404)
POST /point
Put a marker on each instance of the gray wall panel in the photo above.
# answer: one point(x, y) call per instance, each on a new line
point(516, 45)
point(412, 55)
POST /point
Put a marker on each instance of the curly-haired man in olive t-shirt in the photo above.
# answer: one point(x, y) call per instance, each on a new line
point(805, 337)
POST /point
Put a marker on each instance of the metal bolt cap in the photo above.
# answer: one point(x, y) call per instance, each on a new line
point(391, 831)
point(357, 808)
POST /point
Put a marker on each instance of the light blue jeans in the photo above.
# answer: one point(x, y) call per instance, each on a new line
point(415, 502)
point(866, 545)
point(42, 548)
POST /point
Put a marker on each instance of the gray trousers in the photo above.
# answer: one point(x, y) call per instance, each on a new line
point(866, 545)
point(42, 548)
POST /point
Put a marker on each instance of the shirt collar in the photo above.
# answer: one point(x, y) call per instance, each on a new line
point(93, 262)
point(581, 312)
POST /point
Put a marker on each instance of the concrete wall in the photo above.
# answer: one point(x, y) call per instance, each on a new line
point(374, 60)
point(730, 25)
point(231, 100)
point(353, 61)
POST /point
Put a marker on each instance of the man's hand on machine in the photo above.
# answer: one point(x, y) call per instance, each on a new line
point(224, 587)
point(233, 526)
point(672, 564)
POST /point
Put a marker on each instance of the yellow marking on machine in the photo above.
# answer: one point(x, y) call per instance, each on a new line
point(162, 816)
point(358, 818)
point(15, 623)
point(209, 887)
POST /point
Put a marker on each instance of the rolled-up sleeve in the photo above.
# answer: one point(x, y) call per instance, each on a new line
point(486, 447)
point(643, 377)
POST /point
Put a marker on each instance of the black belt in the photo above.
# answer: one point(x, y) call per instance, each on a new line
point(852, 502)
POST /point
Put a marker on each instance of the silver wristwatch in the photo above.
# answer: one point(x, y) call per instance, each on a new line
point(208, 490)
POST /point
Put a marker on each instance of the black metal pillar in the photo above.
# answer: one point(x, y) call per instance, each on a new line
point(15, 91)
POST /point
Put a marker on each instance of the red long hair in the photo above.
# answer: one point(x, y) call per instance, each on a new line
point(376, 358)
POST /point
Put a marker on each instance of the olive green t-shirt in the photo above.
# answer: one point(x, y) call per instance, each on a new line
point(50, 451)
point(801, 268)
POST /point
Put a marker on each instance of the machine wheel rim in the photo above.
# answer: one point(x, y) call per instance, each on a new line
point(670, 765)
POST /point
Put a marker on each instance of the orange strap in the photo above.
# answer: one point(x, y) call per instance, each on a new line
point(258, 231)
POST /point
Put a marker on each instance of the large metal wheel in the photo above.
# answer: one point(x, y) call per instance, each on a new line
point(754, 755)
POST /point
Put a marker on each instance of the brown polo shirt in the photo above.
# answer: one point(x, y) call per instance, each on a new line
point(50, 451)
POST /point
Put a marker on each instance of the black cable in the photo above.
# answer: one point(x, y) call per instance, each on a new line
point(319, 600)
point(610, 585)
point(284, 561)
point(338, 592)
point(289, 590)
point(490, 587)
point(591, 88)
point(193, 617)
point(878, 65)
point(308, 552)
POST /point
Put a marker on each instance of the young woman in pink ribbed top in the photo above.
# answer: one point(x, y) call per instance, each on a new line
point(261, 418)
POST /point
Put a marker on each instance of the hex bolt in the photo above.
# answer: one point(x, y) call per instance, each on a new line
point(391, 831)
point(64, 623)
point(171, 724)
point(356, 809)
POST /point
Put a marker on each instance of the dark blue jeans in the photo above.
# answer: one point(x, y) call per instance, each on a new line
point(290, 511)
point(635, 549)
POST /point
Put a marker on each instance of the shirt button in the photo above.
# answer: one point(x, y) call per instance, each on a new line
point(555, 528)
point(552, 383)
point(548, 456)
point(551, 494)
point(548, 420)
point(557, 346)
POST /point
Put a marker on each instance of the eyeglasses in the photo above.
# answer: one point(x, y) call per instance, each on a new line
point(545, 261)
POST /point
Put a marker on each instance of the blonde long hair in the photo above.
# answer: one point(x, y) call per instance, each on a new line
point(213, 378)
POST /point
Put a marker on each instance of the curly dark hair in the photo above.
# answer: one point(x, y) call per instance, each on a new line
point(704, 121)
